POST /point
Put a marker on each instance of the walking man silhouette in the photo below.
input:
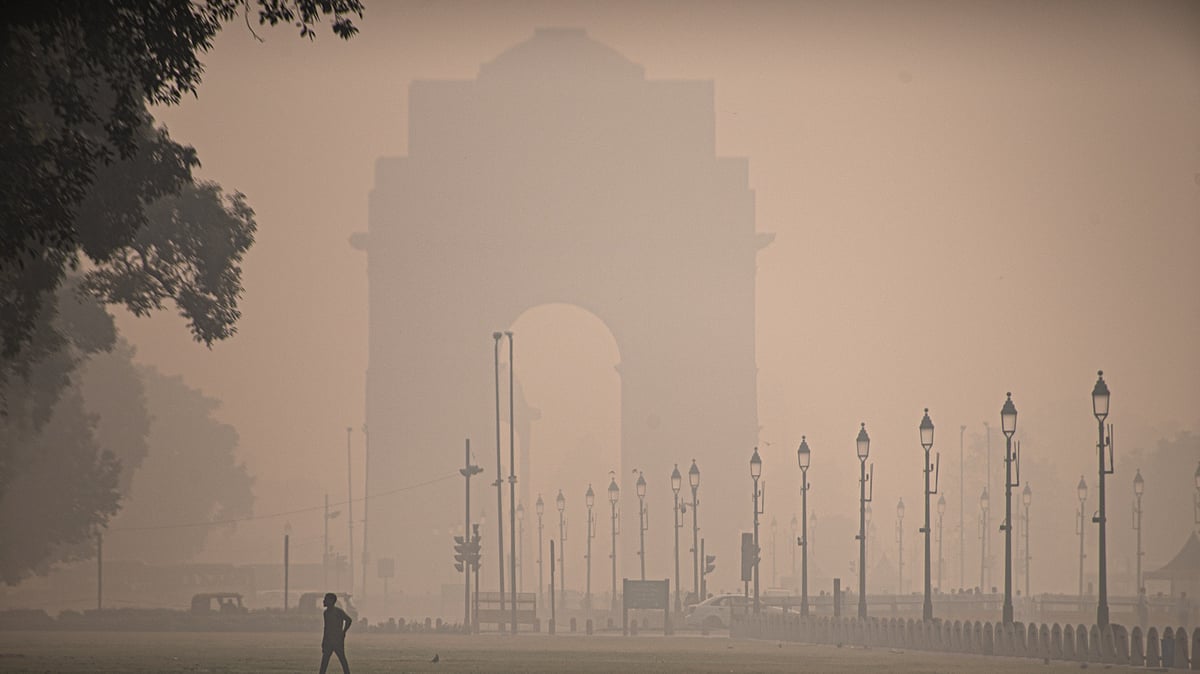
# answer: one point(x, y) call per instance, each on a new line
point(337, 623)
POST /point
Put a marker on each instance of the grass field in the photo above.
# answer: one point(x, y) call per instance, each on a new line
point(377, 653)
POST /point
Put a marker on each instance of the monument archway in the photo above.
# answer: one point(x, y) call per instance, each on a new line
point(560, 175)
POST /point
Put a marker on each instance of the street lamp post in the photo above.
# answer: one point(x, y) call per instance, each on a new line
point(521, 546)
point(589, 499)
point(941, 509)
point(755, 474)
point(540, 508)
point(512, 487)
point(676, 483)
point(926, 429)
point(643, 521)
point(614, 492)
point(561, 502)
point(1008, 424)
point(900, 542)
point(863, 449)
point(1139, 486)
point(694, 482)
point(1081, 490)
point(1026, 499)
point(983, 519)
point(1100, 397)
point(804, 458)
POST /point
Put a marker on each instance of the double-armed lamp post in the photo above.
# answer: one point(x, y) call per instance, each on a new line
point(755, 474)
point(804, 457)
point(561, 502)
point(614, 492)
point(1008, 424)
point(540, 508)
point(935, 467)
point(694, 482)
point(1100, 397)
point(862, 446)
point(589, 499)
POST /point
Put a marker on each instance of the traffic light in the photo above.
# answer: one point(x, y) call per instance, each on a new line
point(710, 563)
point(466, 552)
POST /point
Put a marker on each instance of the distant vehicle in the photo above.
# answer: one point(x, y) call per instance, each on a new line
point(310, 602)
point(220, 602)
point(714, 612)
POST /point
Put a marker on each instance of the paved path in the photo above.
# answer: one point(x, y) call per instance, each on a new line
point(378, 653)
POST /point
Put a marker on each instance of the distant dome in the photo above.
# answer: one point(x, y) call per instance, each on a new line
point(562, 52)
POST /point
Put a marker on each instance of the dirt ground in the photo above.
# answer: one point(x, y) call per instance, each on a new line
point(377, 653)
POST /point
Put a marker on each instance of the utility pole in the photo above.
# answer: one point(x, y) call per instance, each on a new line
point(287, 535)
point(499, 483)
point(350, 506)
point(467, 471)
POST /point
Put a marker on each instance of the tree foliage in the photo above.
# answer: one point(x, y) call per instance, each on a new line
point(79, 159)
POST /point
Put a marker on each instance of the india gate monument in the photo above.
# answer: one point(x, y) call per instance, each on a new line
point(560, 174)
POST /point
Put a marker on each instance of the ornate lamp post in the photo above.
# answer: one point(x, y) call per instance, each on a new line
point(521, 546)
point(1081, 490)
point(1026, 499)
point(589, 499)
point(1139, 486)
point(983, 519)
point(676, 483)
point(614, 492)
point(804, 458)
point(694, 481)
point(540, 508)
point(1100, 410)
point(643, 521)
point(1008, 424)
point(900, 542)
point(941, 510)
point(862, 446)
point(926, 429)
point(561, 502)
point(755, 474)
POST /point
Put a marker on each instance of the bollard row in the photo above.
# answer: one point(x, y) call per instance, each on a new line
point(1112, 644)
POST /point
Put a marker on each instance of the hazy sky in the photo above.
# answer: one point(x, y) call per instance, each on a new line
point(968, 198)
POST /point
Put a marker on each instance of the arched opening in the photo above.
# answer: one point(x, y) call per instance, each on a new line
point(568, 402)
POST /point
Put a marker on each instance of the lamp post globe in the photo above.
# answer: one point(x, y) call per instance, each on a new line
point(862, 443)
point(926, 431)
point(560, 501)
point(755, 465)
point(540, 506)
point(1100, 396)
point(1082, 489)
point(589, 499)
point(676, 480)
point(803, 453)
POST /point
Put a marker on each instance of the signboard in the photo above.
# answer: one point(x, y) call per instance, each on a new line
point(646, 594)
point(653, 594)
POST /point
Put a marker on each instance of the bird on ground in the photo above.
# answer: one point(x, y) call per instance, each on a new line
point(435, 658)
